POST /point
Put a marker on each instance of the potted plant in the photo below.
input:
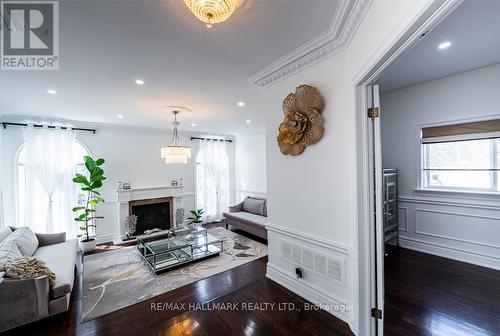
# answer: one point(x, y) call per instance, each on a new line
point(86, 214)
point(196, 216)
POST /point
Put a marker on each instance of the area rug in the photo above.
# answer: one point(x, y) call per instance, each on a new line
point(117, 279)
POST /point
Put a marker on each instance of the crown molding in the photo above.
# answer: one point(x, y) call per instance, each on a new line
point(346, 19)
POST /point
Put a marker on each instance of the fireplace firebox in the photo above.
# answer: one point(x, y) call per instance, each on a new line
point(153, 213)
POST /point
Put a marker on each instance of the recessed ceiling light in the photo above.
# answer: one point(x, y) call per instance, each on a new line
point(248, 121)
point(193, 124)
point(444, 45)
point(139, 82)
point(119, 116)
point(51, 91)
point(241, 104)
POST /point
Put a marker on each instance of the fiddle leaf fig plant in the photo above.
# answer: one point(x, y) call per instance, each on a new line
point(90, 184)
point(196, 216)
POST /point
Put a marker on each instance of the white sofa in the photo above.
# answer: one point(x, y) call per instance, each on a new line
point(26, 300)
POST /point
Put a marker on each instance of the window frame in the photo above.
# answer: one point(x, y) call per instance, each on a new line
point(421, 183)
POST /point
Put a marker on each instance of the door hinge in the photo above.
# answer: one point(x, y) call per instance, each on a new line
point(373, 112)
point(376, 313)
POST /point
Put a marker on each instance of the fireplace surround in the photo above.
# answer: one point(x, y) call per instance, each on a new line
point(127, 197)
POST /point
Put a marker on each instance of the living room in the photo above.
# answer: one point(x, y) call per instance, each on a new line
point(207, 167)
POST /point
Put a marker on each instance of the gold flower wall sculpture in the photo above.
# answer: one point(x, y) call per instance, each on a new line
point(303, 122)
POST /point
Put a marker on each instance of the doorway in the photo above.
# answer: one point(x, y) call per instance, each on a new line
point(422, 182)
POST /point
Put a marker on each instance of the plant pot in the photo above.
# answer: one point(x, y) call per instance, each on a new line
point(88, 246)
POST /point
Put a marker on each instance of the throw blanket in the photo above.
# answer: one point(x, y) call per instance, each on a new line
point(28, 268)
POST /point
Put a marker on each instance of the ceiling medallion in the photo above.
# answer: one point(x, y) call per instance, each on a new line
point(175, 153)
point(212, 11)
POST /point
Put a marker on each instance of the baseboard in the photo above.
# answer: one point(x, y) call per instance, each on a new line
point(309, 292)
point(450, 253)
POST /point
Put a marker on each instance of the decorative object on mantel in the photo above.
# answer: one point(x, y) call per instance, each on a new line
point(130, 225)
point(212, 11)
point(120, 185)
point(303, 122)
point(196, 216)
point(126, 186)
point(174, 183)
point(174, 153)
point(89, 185)
point(179, 216)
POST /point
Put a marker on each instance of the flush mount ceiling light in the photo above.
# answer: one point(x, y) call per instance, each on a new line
point(241, 104)
point(175, 153)
point(139, 82)
point(444, 45)
point(212, 11)
point(52, 91)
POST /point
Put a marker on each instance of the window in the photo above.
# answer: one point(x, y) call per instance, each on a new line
point(460, 157)
point(79, 151)
point(212, 179)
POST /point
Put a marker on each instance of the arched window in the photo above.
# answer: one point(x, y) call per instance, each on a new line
point(34, 205)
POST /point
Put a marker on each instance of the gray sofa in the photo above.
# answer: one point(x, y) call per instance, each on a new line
point(249, 215)
point(26, 300)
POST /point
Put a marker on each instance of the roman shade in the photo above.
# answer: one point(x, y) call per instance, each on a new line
point(489, 129)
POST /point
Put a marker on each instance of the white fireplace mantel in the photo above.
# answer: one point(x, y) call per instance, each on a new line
point(124, 196)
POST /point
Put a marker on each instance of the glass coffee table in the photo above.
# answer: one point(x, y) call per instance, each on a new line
point(170, 249)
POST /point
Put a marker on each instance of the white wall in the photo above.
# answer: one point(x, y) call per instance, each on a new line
point(459, 226)
point(312, 197)
point(131, 154)
point(250, 157)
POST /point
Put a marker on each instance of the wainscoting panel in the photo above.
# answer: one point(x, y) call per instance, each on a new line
point(403, 219)
point(326, 267)
point(456, 230)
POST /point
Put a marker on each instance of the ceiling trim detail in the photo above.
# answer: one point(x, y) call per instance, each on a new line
point(347, 17)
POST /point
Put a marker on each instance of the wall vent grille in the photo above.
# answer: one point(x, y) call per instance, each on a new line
point(320, 263)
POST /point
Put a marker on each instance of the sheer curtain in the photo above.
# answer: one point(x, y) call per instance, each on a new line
point(213, 170)
point(50, 192)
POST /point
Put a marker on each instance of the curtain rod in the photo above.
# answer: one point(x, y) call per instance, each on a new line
point(5, 124)
point(210, 139)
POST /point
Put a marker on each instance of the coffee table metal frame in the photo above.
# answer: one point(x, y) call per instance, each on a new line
point(176, 247)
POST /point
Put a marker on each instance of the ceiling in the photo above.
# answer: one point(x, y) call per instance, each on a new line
point(474, 31)
point(106, 45)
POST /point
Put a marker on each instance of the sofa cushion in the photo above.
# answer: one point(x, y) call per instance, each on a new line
point(60, 258)
point(4, 233)
point(254, 206)
point(8, 252)
point(25, 240)
point(50, 238)
point(247, 218)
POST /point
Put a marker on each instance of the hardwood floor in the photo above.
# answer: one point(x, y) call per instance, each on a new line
point(430, 295)
point(425, 295)
point(244, 284)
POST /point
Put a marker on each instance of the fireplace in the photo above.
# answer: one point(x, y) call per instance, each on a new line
point(153, 213)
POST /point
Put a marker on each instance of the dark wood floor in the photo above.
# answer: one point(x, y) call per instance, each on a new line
point(244, 284)
point(425, 295)
point(430, 295)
